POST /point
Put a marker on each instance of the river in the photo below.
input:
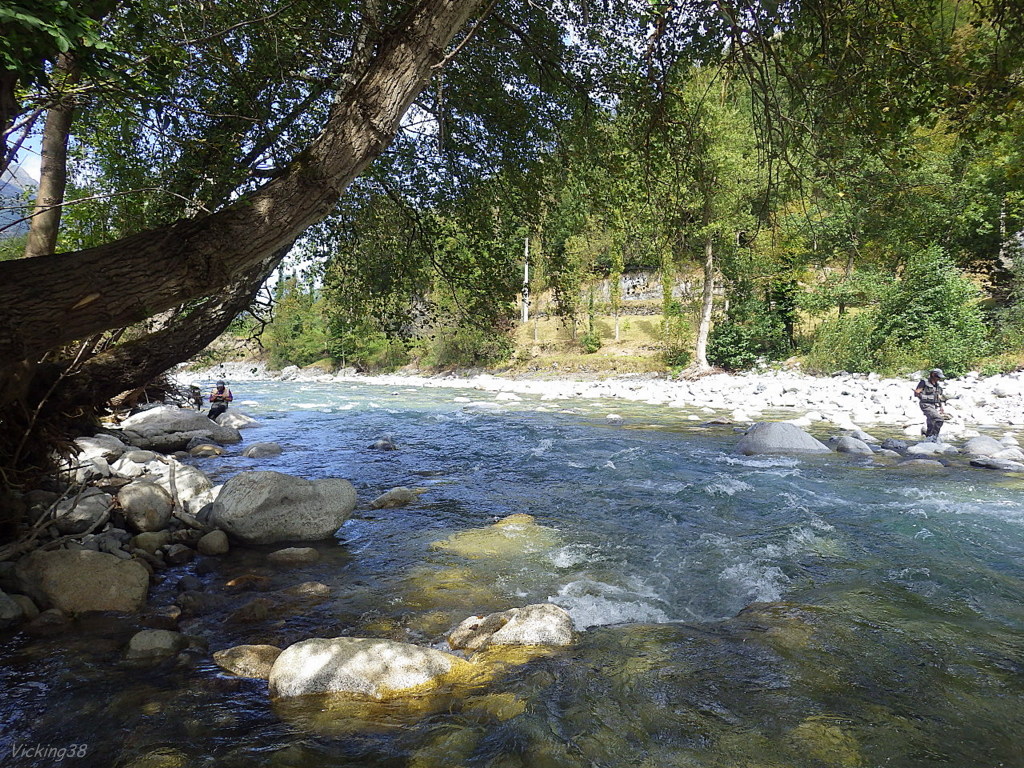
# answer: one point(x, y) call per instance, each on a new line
point(734, 611)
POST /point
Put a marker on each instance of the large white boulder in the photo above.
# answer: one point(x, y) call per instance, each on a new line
point(167, 428)
point(100, 446)
point(778, 437)
point(983, 446)
point(76, 581)
point(237, 419)
point(264, 507)
point(540, 624)
point(354, 665)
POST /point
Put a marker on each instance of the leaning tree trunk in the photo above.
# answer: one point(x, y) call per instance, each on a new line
point(53, 300)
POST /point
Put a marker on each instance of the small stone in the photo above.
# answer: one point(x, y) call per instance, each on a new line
point(152, 644)
point(293, 556)
point(151, 541)
point(213, 543)
point(257, 609)
point(49, 622)
point(248, 660)
point(178, 554)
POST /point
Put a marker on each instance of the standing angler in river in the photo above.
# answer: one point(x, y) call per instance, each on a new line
point(929, 393)
point(219, 399)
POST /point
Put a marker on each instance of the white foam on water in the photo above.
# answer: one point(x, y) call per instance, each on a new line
point(596, 604)
point(569, 556)
point(761, 462)
point(609, 465)
point(543, 447)
point(761, 583)
point(725, 485)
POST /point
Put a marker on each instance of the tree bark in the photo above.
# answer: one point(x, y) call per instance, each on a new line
point(52, 300)
point(53, 171)
point(700, 354)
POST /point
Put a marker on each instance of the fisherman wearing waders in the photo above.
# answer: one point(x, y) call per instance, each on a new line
point(929, 393)
point(219, 399)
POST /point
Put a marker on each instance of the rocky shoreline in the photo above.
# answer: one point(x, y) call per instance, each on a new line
point(127, 515)
point(844, 401)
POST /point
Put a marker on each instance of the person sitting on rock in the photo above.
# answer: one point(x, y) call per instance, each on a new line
point(219, 399)
point(929, 393)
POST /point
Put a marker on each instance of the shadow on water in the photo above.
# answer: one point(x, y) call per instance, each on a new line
point(737, 612)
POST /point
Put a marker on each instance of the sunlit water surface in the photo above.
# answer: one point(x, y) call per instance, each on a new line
point(823, 611)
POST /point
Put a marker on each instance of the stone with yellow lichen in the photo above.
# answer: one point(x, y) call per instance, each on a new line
point(494, 706)
point(540, 624)
point(827, 742)
point(443, 588)
point(448, 748)
point(377, 668)
point(512, 536)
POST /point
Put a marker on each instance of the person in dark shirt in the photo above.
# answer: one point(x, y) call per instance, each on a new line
point(929, 394)
point(219, 399)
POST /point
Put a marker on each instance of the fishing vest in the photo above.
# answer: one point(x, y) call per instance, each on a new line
point(931, 394)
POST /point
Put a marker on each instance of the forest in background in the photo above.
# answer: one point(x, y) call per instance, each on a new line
point(841, 178)
point(868, 217)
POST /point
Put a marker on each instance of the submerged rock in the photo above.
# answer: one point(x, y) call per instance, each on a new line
point(266, 507)
point(262, 450)
point(380, 669)
point(512, 536)
point(397, 497)
point(153, 644)
point(778, 437)
point(293, 556)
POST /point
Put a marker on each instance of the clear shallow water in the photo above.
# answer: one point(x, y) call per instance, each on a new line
point(738, 611)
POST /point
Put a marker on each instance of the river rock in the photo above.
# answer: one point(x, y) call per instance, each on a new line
point(397, 497)
point(213, 543)
point(83, 580)
point(237, 419)
point(167, 429)
point(987, 462)
point(146, 506)
point(151, 541)
point(370, 667)
point(153, 644)
point(847, 444)
point(105, 447)
point(90, 510)
point(52, 621)
point(262, 450)
point(266, 507)
point(983, 446)
point(293, 556)
point(10, 611)
point(778, 437)
point(899, 446)
point(28, 607)
point(248, 660)
point(931, 449)
point(205, 451)
point(540, 624)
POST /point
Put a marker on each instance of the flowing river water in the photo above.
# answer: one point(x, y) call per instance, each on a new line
point(734, 611)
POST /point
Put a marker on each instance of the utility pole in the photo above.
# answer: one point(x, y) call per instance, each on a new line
point(526, 280)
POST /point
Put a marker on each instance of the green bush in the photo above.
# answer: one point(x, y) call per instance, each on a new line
point(737, 346)
point(843, 344)
point(590, 342)
point(466, 348)
point(368, 349)
point(677, 357)
point(931, 317)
